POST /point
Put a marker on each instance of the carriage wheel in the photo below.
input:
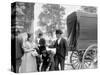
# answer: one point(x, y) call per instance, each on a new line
point(89, 56)
point(75, 60)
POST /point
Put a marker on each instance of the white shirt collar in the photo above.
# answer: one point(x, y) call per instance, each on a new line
point(59, 40)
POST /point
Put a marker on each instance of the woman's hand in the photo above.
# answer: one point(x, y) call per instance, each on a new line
point(34, 53)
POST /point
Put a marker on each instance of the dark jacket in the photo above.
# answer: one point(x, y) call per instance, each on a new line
point(42, 42)
point(19, 49)
point(61, 48)
point(42, 47)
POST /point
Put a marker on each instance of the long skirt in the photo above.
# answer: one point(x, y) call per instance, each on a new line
point(28, 63)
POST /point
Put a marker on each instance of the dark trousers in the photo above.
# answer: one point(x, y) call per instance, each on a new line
point(38, 60)
point(13, 65)
point(44, 66)
point(50, 63)
point(59, 60)
point(18, 64)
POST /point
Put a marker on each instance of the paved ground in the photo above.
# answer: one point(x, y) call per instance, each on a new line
point(67, 62)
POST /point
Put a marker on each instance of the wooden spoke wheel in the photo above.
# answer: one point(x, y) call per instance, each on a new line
point(90, 56)
point(76, 59)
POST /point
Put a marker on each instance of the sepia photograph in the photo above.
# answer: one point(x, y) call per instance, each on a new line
point(53, 37)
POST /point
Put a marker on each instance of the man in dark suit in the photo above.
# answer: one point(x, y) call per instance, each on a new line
point(19, 52)
point(61, 50)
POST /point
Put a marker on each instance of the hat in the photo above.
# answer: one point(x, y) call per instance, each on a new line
point(58, 31)
point(40, 34)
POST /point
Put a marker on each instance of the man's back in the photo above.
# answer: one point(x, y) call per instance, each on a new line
point(19, 49)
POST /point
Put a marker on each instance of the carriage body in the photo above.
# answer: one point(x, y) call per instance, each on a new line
point(88, 29)
point(84, 35)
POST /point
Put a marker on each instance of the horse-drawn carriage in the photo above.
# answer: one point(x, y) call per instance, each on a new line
point(82, 36)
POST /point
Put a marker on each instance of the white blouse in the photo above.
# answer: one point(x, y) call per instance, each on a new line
point(29, 47)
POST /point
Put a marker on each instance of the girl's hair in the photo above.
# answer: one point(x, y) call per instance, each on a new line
point(40, 34)
point(28, 35)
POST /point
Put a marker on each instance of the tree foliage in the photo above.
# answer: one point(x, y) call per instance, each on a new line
point(89, 9)
point(51, 16)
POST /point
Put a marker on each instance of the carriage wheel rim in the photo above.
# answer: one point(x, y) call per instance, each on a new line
point(88, 49)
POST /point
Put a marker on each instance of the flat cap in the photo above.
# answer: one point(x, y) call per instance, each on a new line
point(58, 31)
